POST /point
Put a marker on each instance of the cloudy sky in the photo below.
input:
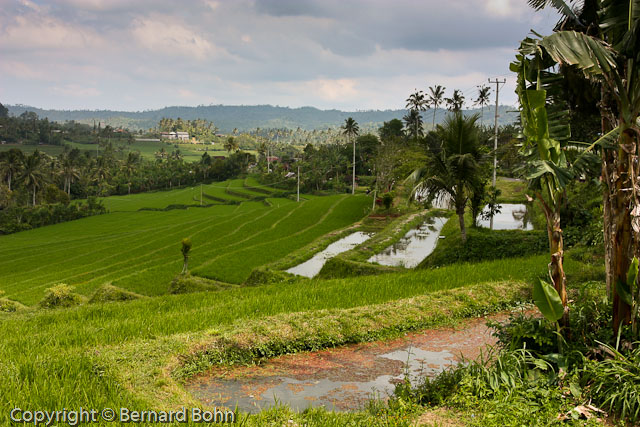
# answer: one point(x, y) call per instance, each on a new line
point(344, 54)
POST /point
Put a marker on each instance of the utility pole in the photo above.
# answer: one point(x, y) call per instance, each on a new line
point(298, 198)
point(495, 138)
point(353, 185)
point(268, 161)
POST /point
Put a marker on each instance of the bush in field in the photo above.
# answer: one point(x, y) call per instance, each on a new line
point(387, 200)
point(7, 305)
point(108, 293)
point(60, 295)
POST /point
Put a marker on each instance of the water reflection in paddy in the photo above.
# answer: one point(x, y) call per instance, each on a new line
point(415, 246)
point(313, 266)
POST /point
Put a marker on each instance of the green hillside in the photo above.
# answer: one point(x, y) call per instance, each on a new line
point(248, 117)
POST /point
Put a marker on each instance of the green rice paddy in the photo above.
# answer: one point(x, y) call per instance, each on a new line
point(139, 250)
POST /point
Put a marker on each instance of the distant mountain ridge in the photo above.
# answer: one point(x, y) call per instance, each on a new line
point(248, 117)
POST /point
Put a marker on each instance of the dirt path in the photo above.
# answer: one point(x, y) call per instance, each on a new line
point(344, 378)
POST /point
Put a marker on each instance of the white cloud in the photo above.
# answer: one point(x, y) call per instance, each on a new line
point(75, 90)
point(44, 32)
point(167, 38)
point(506, 8)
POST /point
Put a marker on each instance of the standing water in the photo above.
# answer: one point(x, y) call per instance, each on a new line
point(415, 246)
point(313, 266)
point(511, 217)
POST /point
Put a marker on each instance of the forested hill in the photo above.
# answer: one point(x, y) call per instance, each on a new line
point(247, 117)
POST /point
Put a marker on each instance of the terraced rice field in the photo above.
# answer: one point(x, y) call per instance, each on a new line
point(139, 250)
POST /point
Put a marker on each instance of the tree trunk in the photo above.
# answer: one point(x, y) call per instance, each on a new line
point(621, 230)
point(556, 267)
point(9, 181)
point(128, 188)
point(34, 194)
point(463, 229)
point(185, 267)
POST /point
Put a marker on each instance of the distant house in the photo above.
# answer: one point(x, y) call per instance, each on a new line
point(182, 136)
point(273, 159)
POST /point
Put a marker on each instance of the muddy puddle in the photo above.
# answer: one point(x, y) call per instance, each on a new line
point(312, 266)
point(344, 378)
point(414, 246)
point(511, 217)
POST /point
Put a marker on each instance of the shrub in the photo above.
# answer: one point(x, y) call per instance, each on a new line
point(483, 244)
point(8, 306)
point(107, 293)
point(60, 295)
point(387, 200)
point(614, 383)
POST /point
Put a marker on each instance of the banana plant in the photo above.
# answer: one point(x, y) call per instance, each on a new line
point(548, 302)
point(612, 58)
point(545, 135)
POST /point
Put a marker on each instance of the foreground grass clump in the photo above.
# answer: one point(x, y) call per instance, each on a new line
point(60, 295)
point(110, 293)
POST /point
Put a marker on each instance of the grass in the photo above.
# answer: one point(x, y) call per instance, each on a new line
point(123, 354)
point(139, 251)
point(513, 191)
point(52, 150)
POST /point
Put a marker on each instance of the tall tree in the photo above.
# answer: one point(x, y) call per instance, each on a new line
point(416, 103)
point(413, 124)
point(454, 165)
point(456, 101)
point(231, 144)
point(32, 175)
point(436, 97)
point(10, 164)
point(482, 100)
point(350, 129)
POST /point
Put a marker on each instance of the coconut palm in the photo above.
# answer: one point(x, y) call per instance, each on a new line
point(231, 144)
point(454, 165)
point(482, 100)
point(413, 124)
point(69, 172)
point(350, 129)
point(456, 101)
point(435, 98)
point(32, 175)
point(10, 163)
point(416, 103)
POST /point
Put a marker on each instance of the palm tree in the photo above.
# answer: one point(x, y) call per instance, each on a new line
point(10, 163)
point(482, 100)
point(454, 165)
point(69, 172)
point(351, 130)
point(231, 144)
point(32, 175)
point(413, 124)
point(456, 101)
point(130, 166)
point(435, 98)
point(417, 103)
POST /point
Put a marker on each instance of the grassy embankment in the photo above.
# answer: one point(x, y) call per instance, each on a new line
point(130, 354)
